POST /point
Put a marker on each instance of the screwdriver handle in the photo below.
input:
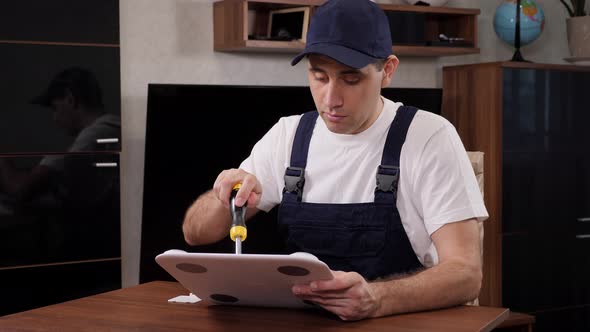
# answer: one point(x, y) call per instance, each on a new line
point(238, 214)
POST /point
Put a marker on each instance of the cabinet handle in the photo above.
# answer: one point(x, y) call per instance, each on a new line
point(107, 140)
point(583, 236)
point(584, 219)
point(105, 165)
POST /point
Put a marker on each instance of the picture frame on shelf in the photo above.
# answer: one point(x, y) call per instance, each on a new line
point(288, 24)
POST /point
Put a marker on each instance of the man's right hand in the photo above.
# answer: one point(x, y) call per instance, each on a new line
point(208, 219)
point(250, 191)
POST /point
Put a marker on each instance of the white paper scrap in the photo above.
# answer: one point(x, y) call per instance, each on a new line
point(191, 298)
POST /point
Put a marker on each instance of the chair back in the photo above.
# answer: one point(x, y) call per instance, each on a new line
point(476, 159)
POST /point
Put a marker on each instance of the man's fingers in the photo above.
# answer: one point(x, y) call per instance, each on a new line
point(250, 191)
point(324, 302)
point(306, 291)
point(340, 307)
point(342, 281)
point(246, 190)
point(225, 182)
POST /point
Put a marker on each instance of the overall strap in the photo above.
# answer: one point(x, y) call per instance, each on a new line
point(388, 172)
point(295, 173)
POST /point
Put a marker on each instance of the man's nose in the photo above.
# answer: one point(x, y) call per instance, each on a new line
point(333, 96)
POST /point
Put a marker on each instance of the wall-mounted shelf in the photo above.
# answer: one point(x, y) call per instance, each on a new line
point(237, 21)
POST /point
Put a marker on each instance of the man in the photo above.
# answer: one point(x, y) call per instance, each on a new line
point(409, 243)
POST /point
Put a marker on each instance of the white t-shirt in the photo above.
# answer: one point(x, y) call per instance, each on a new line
point(437, 184)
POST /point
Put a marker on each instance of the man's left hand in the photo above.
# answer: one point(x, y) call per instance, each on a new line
point(348, 295)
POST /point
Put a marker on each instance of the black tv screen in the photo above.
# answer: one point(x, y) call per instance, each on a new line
point(195, 131)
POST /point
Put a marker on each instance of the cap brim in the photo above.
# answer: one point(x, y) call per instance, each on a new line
point(346, 56)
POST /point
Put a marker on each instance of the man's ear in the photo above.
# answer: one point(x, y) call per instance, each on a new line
point(388, 70)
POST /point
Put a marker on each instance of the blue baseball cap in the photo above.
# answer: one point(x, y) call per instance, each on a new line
point(352, 32)
point(80, 82)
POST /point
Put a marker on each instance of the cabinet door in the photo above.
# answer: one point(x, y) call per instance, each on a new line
point(545, 150)
point(69, 213)
point(573, 319)
point(26, 127)
point(29, 287)
point(546, 193)
point(88, 21)
point(543, 272)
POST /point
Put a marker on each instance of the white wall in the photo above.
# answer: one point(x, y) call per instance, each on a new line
point(171, 41)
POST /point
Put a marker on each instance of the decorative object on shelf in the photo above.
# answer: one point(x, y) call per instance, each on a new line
point(578, 31)
point(518, 23)
point(433, 3)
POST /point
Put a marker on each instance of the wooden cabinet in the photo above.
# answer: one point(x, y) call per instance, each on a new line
point(531, 122)
point(241, 25)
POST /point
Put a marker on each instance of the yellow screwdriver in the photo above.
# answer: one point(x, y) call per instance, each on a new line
point(238, 230)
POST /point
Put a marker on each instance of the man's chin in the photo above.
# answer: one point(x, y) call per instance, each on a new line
point(338, 129)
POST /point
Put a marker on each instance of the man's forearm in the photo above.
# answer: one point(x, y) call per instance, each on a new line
point(20, 184)
point(446, 284)
point(206, 221)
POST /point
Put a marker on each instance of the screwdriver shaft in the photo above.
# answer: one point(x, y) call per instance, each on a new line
point(238, 245)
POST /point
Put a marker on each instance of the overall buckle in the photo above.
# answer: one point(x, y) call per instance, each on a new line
point(387, 178)
point(294, 181)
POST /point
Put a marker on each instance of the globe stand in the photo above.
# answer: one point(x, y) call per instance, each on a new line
point(517, 56)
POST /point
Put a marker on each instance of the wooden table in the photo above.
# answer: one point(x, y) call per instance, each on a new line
point(145, 308)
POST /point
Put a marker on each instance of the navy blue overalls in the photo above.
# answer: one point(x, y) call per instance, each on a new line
point(367, 238)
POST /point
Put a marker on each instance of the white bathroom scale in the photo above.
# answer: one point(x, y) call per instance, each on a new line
point(246, 279)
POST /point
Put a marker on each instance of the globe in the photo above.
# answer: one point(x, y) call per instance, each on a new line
point(532, 21)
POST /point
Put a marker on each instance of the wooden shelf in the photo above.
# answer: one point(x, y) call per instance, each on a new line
point(269, 46)
point(431, 10)
point(232, 21)
point(433, 50)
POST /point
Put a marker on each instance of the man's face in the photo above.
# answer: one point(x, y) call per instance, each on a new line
point(64, 114)
point(347, 99)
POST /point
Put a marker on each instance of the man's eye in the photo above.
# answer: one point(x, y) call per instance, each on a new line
point(320, 78)
point(351, 80)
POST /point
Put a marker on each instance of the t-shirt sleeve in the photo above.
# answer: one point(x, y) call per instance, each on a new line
point(446, 185)
point(54, 162)
point(266, 161)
